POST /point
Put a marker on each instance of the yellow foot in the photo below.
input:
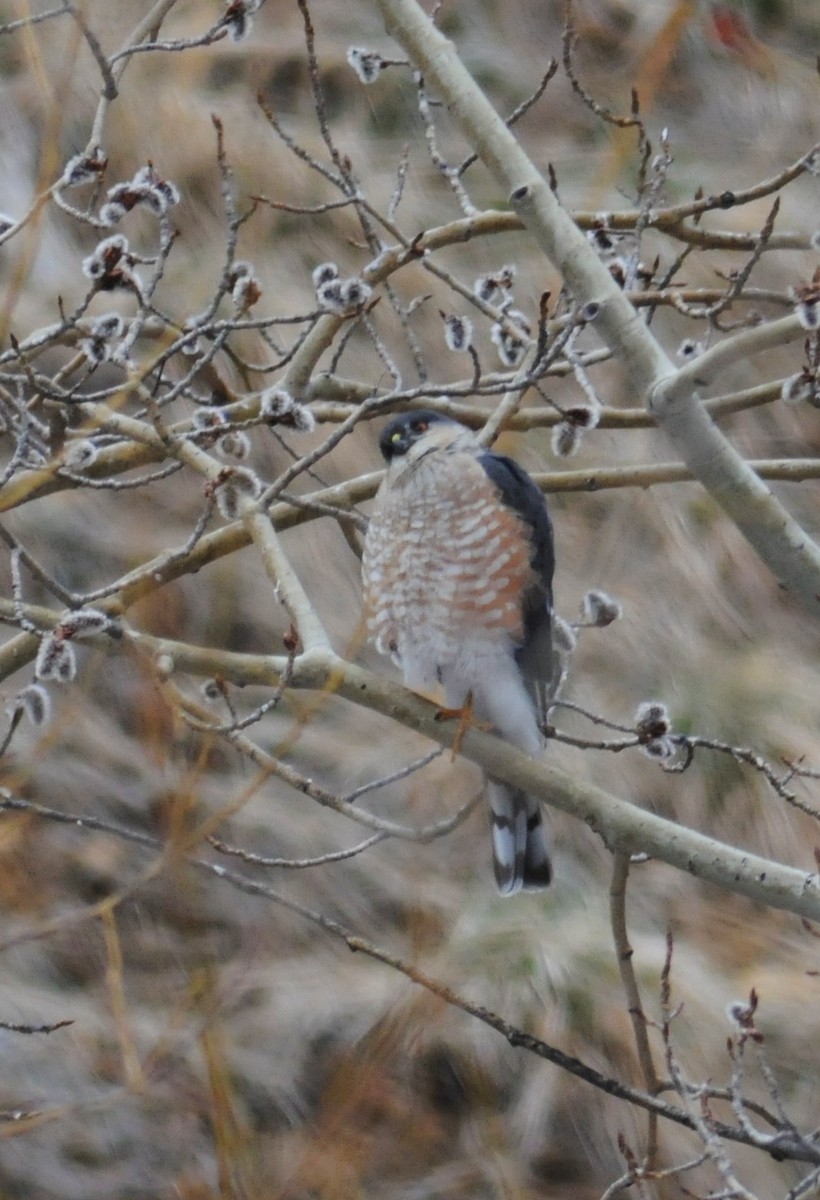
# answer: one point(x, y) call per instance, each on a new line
point(465, 718)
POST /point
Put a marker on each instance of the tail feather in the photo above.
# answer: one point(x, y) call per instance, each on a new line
point(521, 858)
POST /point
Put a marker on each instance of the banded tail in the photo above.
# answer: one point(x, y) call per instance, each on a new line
point(521, 859)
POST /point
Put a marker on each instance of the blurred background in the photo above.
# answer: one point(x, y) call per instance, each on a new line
point(221, 1046)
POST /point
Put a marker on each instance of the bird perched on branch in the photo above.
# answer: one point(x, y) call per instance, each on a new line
point(457, 570)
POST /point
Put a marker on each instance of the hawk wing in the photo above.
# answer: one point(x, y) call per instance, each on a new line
point(518, 492)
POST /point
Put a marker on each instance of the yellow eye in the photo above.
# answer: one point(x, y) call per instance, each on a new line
point(395, 437)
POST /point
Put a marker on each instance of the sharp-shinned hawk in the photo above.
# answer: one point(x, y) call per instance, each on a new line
point(457, 570)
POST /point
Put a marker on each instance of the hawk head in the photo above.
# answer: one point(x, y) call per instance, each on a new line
point(404, 431)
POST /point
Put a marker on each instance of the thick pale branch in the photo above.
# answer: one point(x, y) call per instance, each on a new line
point(669, 221)
point(621, 825)
point(707, 366)
point(780, 541)
point(786, 470)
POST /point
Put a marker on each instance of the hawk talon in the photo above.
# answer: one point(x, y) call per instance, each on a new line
point(465, 718)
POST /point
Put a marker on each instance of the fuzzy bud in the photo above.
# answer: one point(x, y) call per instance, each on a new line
point(83, 168)
point(35, 704)
point(566, 439)
point(237, 18)
point(166, 192)
point(563, 635)
point(605, 240)
point(154, 200)
point(659, 749)
point(583, 416)
point(112, 212)
point(618, 268)
point(490, 288)
point(518, 319)
point(109, 325)
point(801, 389)
point(146, 188)
point(278, 407)
point(237, 484)
point(275, 402)
point(790, 392)
point(108, 252)
point(808, 314)
point(806, 297)
point(80, 455)
point(95, 347)
point(741, 1013)
point(511, 347)
point(110, 264)
point(355, 294)
point(245, 292)
point(368, 64)
point(302, 419)
point(95, 350)
point(83, 621)
point(329, 295)
point(485, 289)
point(55, 660)
point(511, 350)
point(600, 609)
point(343, 296)
point(458, 333)
point(652, 721)
point(511, 337)
point(209, 418)
point(234, 444)
point(324, 273)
